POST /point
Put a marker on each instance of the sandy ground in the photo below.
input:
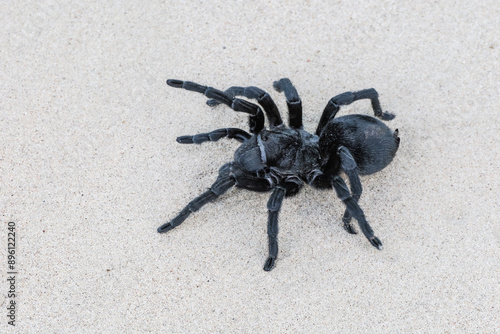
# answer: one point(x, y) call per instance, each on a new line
point(90, 168)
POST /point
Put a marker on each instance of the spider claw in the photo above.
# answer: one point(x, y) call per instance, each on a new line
point(212, 103)
point(270, 262)
point(386, 116)
point(165, 228)
point(175, 83)
point(349, 228)
point(277, 86)
point(376, 242)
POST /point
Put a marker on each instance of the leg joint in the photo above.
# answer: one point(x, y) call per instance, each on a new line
point(276, 199)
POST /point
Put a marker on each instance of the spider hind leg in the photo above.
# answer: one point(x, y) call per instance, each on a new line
point(334, 104)
point(352, 205)
point(351, 169)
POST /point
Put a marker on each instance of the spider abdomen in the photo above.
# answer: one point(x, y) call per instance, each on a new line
point(372, 143)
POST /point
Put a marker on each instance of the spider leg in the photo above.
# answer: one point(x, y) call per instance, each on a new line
point(223, 183)
point(264, 99)
point(347, 98)
point(351, 169)
point(293, 102)
point(352, 205)
point(232, 133)
point(256, 114)
point(273, 206)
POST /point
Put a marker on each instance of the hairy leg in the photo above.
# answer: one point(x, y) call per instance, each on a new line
point(256, 114)
point(224, 183)
point(352, 205)
point(351, 169)
point(293, 102)
point(347, 98)
point(264, 99)
point(232, 133)
point(273, 206)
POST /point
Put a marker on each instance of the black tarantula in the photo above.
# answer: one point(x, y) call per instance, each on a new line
point(283, 158)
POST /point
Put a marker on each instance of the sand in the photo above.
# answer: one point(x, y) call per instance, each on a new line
point(89, 168)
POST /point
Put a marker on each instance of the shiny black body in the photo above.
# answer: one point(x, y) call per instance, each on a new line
point(282, 159)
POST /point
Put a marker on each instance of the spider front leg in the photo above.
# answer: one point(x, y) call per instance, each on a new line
point(354, 209)
point(256, 114)
point(231, 133)
point(264, 99)
point(293, 102)
point(224, 183)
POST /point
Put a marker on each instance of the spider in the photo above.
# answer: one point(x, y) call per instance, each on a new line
point(281, 159)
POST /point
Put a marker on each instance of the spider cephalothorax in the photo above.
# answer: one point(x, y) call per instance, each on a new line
point(283, 159)
point(281, 155)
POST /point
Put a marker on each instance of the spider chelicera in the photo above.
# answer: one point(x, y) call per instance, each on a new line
point(281, 159)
